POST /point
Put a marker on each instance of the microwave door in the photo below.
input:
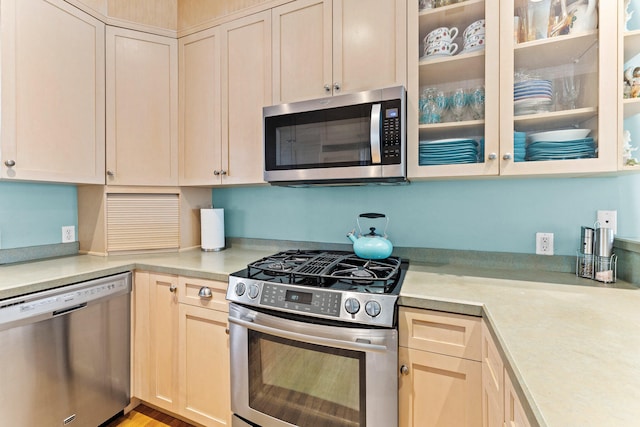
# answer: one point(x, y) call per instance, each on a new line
point(375, 140)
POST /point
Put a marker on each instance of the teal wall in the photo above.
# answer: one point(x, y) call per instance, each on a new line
point(498, 215)
point(33, 214)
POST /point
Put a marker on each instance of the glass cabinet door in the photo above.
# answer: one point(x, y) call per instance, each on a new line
point(629, 86)
point(558, 101)
point(453, 96)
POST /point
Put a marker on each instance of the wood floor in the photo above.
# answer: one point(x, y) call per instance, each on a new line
point(143, 416)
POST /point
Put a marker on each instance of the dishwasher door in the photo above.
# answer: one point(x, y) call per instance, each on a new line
point(70, 365)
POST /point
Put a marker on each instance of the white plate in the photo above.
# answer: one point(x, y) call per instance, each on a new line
point(559, 135)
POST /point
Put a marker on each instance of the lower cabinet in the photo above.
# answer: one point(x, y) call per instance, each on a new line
point(441, 371)
point(181, 347)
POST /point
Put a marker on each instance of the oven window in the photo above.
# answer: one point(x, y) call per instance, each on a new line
point(306, 384)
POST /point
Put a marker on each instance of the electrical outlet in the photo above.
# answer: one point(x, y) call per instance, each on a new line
point(544, 243)
point(68, 234)
point(608, 219)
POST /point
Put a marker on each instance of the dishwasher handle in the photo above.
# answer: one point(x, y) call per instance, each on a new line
point(69, 309)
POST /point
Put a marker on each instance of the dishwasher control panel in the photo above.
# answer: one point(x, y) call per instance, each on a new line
point(63, 300)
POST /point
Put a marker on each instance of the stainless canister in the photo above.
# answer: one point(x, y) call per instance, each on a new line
point(603, 242)
point(586, 240)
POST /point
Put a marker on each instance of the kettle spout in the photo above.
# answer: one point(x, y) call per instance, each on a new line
point(351, 235)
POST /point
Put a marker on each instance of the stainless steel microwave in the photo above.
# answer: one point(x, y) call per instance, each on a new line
point(356, 138)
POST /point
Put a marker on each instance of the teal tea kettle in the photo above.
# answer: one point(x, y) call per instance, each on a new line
point(371, 245)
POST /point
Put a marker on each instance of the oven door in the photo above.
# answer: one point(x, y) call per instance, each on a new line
point(288, 372)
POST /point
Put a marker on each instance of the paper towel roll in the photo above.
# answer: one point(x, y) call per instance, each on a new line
point(212, 229)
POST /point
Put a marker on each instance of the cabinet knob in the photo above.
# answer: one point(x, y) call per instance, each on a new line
point(404, 370)
point(223, 173)
point(172, 288)
point(507, 156)
point(111, 173)
point(327, 88)
point(336, 86)
point(226, 331)
point(10, 163)
point(205, 292)
point(493, 156)
point(216, 172)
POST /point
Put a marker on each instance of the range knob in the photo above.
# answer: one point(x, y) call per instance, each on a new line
point(240, 288)
point(253, 291)
point(372, 308)
point(352, 305)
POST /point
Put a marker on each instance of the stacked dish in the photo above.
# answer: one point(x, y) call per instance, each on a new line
point(448, 151)
point(519, 150)
point(532, 96)
point(561, 145)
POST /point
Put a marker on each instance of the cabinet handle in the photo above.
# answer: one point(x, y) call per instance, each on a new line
point(493, 156)
point(205, 292)
point(10, 163)
point(226, 331)
point(172, 288)
point(223, 173)
point(507, 156)
point(327, 88)
point(404, 370)
point(336, 86)
point(216, 172)
point(110, 173)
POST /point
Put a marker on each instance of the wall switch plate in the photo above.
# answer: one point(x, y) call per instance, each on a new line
point(68, 234)
point(608, 219)
point(544, 243)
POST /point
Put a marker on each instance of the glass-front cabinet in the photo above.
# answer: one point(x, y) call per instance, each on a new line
point(549, 80)
point(454, 90)
point(629, 85)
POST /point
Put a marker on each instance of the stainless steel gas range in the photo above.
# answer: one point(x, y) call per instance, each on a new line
point(313, 340)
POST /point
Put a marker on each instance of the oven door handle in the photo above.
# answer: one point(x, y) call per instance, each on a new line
point(329, 342)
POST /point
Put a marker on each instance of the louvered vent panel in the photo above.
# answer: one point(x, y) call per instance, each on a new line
point(142, 222)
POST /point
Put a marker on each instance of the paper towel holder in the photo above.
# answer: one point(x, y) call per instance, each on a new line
point(212, 238)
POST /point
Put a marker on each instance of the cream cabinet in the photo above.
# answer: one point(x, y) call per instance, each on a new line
point(514, 415)
point(181, 347)
point(141, 108)
point(492, 382)
point(52, 122)
point(323, 48)
point(529, 84)
point(225, 80)
point(628, 88)
point(439, 358)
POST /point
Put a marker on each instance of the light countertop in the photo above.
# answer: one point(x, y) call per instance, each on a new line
point(572, 344)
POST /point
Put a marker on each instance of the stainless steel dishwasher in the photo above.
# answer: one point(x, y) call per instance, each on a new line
point(65, 354)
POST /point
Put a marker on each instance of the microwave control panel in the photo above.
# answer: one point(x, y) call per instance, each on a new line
point(391, 150)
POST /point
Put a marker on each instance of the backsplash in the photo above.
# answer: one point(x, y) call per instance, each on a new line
point(499, 215)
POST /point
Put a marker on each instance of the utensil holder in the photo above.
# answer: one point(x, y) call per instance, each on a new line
point(605, 268)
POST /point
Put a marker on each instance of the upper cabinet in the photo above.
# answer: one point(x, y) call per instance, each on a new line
point(629, 85)
point(225, 80)
point(52, 121)
point(346, 47)
point(548, 103)
point(142, 108)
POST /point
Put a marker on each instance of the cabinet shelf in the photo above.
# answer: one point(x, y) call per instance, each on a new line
point(457, 15)
point(631, 107)
point(554, 119)
point(452, 69)
point(631, 44)
point(566, 49)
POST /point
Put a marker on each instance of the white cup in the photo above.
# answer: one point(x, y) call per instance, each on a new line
point(441, 48)
point(474, 40)
point(477, 27)
point(441, 34)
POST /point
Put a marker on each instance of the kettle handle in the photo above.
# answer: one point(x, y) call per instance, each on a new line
point(372, 215)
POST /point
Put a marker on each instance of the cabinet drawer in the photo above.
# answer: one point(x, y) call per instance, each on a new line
point(438, 332)
point(188, 289)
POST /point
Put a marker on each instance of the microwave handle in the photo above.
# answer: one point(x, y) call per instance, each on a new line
point(375, 139)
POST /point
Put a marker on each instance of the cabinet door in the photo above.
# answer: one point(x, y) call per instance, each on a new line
point(629, 87)
point(246, 88)
point(554, 82)
point(204, 366)
point(439, 390)
point(199, 121)
point(492, 382)
point(514, 414)
point(52, 93)
point(142, 108)
point(369, 44)
point(302, 38)
point(163, 339)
